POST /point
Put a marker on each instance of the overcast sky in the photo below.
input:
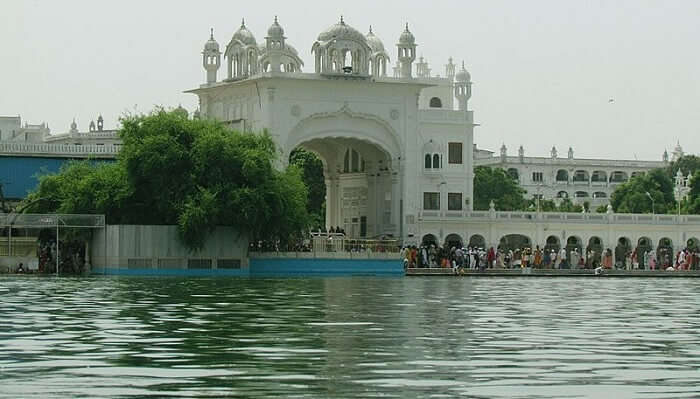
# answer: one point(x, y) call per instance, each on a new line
point(543, 71)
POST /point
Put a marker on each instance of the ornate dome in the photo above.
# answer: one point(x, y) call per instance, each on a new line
point(275, 30)
point(244, 36)
point(407, 37)
point(374, 42)
point(262, 49)
point(678, 147)
point(342, 31)
point(463, 75)
point(211, 44)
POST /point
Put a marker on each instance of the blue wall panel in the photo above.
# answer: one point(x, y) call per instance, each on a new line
point(325, 267)
point(281, 268)
point(18, 175)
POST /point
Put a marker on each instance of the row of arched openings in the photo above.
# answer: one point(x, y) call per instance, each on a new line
point(582, 194)
point(596, 176)
point(624, 246)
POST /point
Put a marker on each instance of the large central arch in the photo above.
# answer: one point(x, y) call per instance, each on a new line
point(363, 182)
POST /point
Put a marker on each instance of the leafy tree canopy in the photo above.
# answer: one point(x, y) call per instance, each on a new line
point(190, 172)
point(312, 174)
point(632, 197)
point(495, 184)
point(686, 164)
point(692, 205)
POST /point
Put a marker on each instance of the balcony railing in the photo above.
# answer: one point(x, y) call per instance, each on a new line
point(559, 217)
point(8, 147)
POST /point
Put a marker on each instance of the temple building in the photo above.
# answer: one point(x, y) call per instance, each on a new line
point(394, 148)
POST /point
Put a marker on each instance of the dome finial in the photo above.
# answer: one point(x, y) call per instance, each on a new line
point(463, 65)
point(211, 35)
point(242, 22)
point(275, 18)
point(406, 26)
point(370, 29)
point(341, 20)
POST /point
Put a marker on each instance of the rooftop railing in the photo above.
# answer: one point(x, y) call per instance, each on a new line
point(561, 217)
point(15, 148)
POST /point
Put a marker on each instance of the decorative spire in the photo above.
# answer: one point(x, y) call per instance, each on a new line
point(275, 18)
point(406, 26)
point(211, 35)
point(242, 22)
point(370, 29)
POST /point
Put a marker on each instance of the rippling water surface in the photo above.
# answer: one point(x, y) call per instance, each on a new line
point(349, 338)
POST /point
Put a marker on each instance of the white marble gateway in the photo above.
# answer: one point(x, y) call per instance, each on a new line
point(392, 146)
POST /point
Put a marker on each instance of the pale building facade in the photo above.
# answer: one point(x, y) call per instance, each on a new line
point(580, 179)
point(392, 147)
point(13, 131)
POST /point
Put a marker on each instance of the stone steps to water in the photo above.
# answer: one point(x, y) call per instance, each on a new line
point(528, 272)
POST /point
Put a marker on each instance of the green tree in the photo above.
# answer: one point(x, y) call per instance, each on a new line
point(494, 184)
point(692, 205)
point(193, 173)
point(687, 164)
point(312, 175)
point(566, 205)
point(632, 197)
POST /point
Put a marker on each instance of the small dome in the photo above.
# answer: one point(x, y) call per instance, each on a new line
point(275, 31)
point(244, 36)
point(678, 147)
point(463, 75)
point(211, 44)
point(374, 42)
point(407, 37)
point(341, 31)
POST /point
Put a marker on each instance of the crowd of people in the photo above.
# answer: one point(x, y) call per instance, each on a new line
point(327, 240)
point(459, 258)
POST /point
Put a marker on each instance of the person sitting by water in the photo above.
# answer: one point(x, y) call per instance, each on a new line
point(20, 268)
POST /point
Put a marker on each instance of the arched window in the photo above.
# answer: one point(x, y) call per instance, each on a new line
point(618, 177)
point(346, 161)
point(436, 161)
point(428, 162)
point(562, 175)
point(562, 194)
point(435, 102)
point(599, 176)
point(599, 194)
point(580, 176)
point(581, 194)
point(355, 162)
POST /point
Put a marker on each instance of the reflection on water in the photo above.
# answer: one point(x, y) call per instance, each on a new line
point(350, 337)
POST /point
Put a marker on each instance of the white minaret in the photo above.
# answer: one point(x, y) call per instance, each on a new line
point(463, 88)
point(211, 58)
point(274, 42)
point(407, 53)
point(450, 69)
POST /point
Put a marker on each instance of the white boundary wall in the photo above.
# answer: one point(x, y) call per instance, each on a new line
point(158, 247)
